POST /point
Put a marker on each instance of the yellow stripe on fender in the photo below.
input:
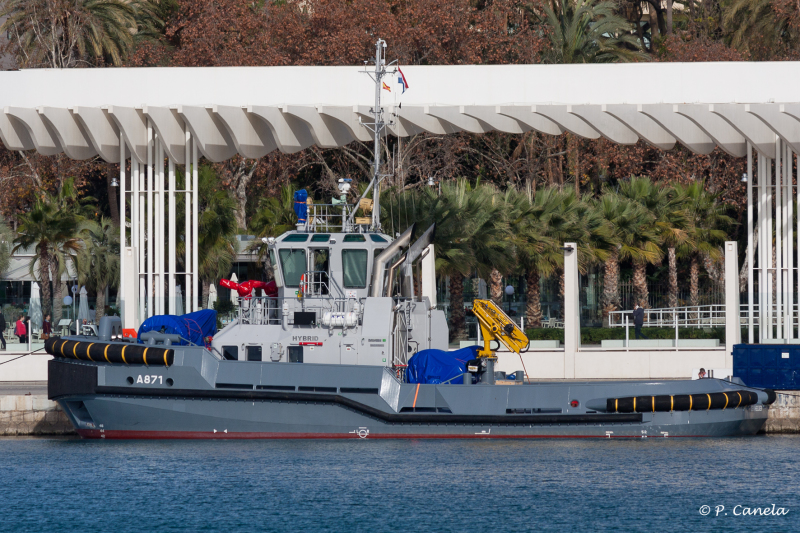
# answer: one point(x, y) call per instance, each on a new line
point(123, 355)
point(165, 358)
point(654, 403)
point(726, 400)
point(740, 400)
point(73, 350)
point(690, 402)
point(671, 403)
point(616, 405)
point(144, 356)
point(634, 404)
point(709, 402)
point(105, 352)
point(62, 349)
point(87, 351)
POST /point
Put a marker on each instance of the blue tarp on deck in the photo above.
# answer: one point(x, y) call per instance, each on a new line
point(194, 327)
point(438, 366)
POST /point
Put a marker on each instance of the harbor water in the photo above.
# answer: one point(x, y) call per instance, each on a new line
point(650, 484)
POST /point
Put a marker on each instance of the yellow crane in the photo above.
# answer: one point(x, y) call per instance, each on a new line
point(497, 326)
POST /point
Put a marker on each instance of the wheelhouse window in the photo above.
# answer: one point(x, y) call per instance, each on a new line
point(276, 272)
point(293, 265)
point(354, 264)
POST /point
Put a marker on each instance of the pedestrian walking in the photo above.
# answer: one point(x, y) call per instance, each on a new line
point(47, 328)
point(20, 330)
point(638, 321)
point(2, 330)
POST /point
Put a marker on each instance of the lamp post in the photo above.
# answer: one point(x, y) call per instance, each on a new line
point(74, 296)
point(509, 293)
point(67, 301)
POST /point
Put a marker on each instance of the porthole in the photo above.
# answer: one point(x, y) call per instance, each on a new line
point(130, 380)
point(170, 382)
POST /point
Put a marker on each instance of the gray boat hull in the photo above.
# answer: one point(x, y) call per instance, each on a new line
point(171, 418)
point(200, 396)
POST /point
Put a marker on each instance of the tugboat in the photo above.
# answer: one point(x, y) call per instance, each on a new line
point(348, 343)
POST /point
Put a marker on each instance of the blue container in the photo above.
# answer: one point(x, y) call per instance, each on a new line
point(769, 366)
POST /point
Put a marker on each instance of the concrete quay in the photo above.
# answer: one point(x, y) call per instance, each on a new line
point(26, 411)
point(784, 414)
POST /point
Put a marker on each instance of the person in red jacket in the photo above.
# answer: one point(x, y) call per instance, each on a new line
point(20, 330)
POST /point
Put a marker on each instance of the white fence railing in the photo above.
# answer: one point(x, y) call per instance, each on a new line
point(697, 316)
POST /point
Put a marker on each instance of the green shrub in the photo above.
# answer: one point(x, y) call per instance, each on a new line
point(595, 335)
point(224, 307)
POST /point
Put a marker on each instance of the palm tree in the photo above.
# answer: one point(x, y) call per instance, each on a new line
point(274, 217)
point(98, 261)
point(666, 206)
point(217, 230)
point(707, 217)
point(491, 244)
point(548, 222)
point(753, 25)
point(469, 232)
point(634, 237)
point(69, 33)
point(6, 238)
point(590, 31)
point(51, 227)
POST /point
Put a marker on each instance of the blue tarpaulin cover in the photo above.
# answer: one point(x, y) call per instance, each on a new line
point(193, 326)
point(300, 205)
point(438, 366)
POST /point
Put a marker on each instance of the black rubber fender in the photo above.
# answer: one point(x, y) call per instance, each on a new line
point(103, 352)
point(681, 402)
point(771, 396)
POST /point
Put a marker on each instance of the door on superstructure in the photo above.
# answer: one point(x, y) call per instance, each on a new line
point(319, 269)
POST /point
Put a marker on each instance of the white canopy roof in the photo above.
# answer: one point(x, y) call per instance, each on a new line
point(255, 110)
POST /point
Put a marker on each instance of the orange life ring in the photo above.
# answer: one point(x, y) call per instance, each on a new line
point(303, 286)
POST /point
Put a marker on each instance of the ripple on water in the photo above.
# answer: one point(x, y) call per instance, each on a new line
point(405, 485)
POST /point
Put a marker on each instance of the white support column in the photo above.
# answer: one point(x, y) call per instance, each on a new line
point(187, 215)
point(195, 229)
point(123, 252)
point(778, 241)
point(762, 256)
point(732, 326)
point(750, 259)
point(158, 205)
point(572, 319)
point(768, 237)
point(172, 239)
point(788, 246)
point(137, 208)
point(150, 230)
point(160, 234)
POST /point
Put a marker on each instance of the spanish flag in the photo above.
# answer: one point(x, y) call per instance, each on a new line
point(386, 87)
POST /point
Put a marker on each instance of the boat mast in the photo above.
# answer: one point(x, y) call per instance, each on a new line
point(377, 113)
point(377, 127)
